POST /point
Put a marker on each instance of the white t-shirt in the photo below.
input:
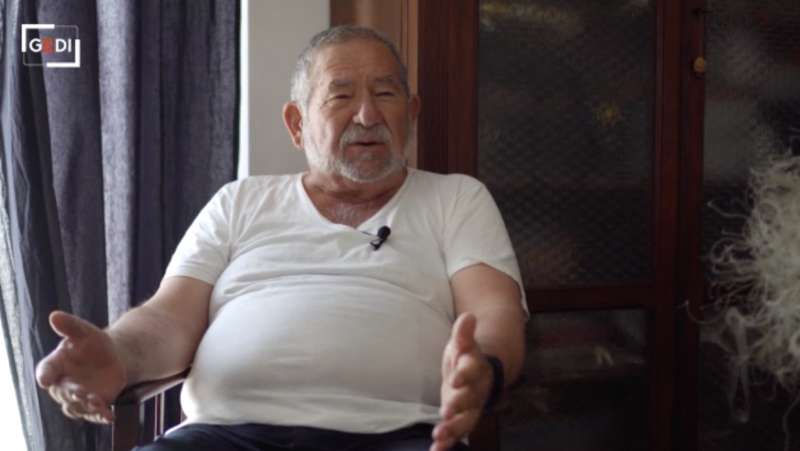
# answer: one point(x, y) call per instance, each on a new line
point(308, 325)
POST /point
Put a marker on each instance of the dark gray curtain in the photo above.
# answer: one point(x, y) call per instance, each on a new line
point(104, 167)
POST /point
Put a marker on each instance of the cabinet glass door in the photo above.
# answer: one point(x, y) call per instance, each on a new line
point(565, 116)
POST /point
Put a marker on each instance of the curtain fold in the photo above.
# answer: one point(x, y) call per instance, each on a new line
point(103, 168)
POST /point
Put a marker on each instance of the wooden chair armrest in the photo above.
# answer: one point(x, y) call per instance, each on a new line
point(139, 412)
point(139, 393)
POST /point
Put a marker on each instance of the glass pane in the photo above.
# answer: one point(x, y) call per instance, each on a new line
point(752, 111)
point(565, 114)
point(585, 385)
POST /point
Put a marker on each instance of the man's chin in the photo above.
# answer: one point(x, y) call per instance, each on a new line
point(366, 175)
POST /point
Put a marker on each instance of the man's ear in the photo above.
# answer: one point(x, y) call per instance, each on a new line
point(414, 105)
point(293, 120)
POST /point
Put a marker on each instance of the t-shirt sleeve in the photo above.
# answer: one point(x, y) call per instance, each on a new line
point(204, 251)
point(475, 233)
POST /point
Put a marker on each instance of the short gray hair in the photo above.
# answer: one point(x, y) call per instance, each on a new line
point(301, 89)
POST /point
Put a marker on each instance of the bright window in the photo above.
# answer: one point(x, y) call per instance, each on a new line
point(10, 424)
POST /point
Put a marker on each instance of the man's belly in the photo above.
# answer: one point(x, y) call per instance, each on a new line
point(355, 345)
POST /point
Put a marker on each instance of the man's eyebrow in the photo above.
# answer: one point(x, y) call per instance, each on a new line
point(339, 84)
point(387, 79)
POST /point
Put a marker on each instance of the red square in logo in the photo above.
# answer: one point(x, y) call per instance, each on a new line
point(47, 45)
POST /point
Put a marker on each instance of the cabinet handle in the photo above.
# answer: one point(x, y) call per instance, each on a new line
point(699, 66)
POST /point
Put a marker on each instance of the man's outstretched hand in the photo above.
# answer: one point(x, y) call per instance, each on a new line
point(466, 383)
point(83, 374)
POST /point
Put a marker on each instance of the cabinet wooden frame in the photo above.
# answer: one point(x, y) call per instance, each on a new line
point(447, 142)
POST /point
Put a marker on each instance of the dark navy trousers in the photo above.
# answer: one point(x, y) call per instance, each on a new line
point(262, 437)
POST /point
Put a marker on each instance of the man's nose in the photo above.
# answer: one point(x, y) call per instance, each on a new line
point(367, 113)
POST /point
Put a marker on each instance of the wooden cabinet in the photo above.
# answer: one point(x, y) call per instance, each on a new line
point(589, 121)
point(569, 112)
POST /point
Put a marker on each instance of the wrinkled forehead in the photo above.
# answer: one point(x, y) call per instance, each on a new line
point(353, 61)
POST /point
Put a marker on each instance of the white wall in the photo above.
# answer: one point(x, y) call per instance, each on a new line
point(276, 32)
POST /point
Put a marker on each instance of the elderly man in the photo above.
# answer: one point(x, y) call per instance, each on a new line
point(352, 306)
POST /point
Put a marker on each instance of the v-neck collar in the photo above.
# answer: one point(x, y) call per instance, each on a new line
point(309, 204)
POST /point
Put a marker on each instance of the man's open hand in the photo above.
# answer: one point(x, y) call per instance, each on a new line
point(466, 383)
point(84, 373)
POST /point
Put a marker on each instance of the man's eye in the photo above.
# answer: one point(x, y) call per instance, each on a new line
point(340, 97)
point(385, 94)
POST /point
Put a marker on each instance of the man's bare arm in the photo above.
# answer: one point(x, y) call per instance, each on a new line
point(494, 298)
point(159, 338)
point(490, 321)
point(91, 366)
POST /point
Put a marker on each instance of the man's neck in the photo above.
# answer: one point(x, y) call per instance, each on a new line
point(336, 188)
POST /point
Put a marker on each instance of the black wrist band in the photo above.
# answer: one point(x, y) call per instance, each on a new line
point(498, 382)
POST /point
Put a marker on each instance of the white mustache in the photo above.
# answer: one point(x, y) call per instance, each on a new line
point(358, 133)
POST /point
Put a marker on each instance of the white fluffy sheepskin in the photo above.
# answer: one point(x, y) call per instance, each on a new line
point(755, 278)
